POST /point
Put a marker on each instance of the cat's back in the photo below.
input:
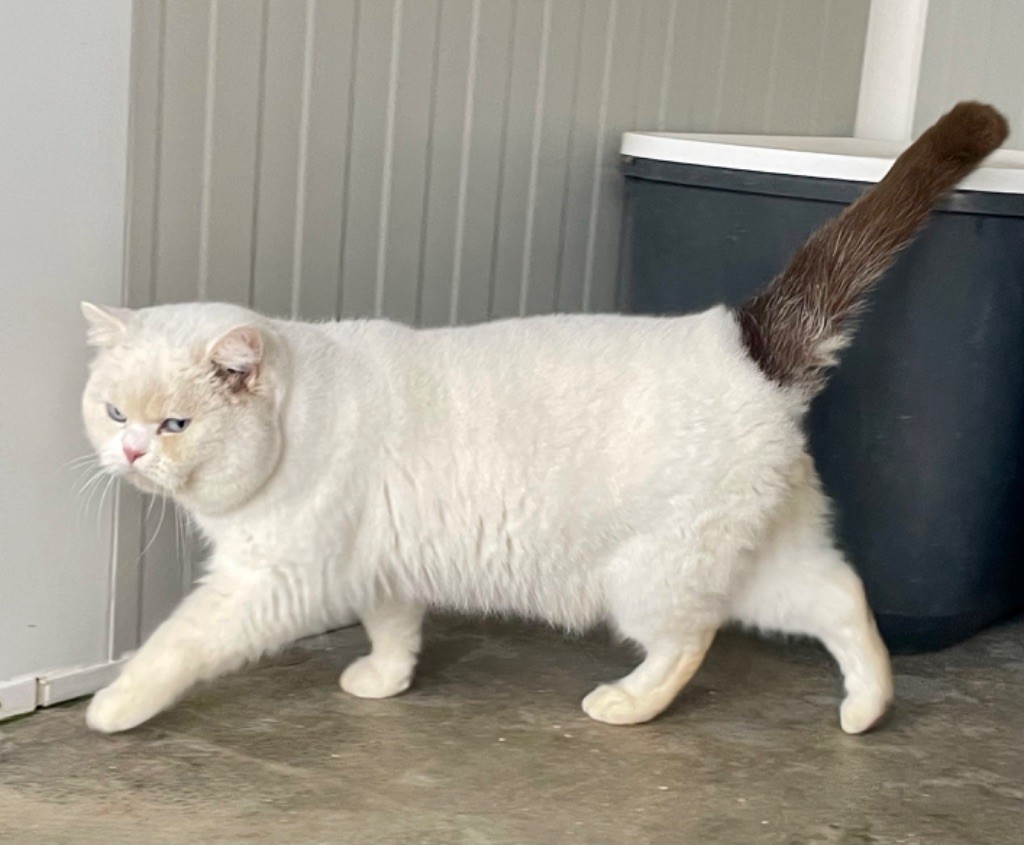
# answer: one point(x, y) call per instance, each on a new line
point(616, 387)
point(584, 358)
point(606, 384)
point(614, 337)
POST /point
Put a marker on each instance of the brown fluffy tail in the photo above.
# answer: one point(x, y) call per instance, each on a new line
point(794, 328)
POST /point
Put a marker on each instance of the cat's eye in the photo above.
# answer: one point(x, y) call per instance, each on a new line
point(115, 414)
point(173, 426)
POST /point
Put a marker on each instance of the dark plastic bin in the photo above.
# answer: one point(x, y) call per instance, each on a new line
point(919, 437)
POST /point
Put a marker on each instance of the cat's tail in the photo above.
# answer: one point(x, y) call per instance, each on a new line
point(794, 328)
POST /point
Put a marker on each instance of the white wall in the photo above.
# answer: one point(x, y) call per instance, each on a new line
point(973, 49)
point(64, 72)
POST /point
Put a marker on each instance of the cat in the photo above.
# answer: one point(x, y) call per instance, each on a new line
point(650, 473)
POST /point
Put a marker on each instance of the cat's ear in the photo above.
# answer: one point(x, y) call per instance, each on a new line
point(236, 356)
point(107, 326)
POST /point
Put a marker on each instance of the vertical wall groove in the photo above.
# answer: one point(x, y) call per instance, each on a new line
point(602, 118)
point(389, 152)
point(570, 144)
point(302, 162)
point(531, 191)
point(154, 240)
point(261, 93)
point(467, 129)
point(122, 599)
point(425, 207)
point(347, 171)
point(139, 561)
point(501, 160)
point(209, 105)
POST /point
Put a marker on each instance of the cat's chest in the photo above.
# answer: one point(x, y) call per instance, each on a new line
point(301, 534)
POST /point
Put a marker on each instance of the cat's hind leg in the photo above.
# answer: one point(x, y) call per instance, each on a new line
point(394, 632)
point(670, 662)
point(805, 587)
point(651, 600)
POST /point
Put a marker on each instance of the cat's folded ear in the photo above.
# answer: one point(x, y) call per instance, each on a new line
point(107, 326)
point(236, 356)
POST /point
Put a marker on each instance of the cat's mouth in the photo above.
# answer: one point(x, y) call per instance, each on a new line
point(144, 483)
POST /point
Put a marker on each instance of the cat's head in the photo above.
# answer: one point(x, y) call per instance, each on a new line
point(184, 400)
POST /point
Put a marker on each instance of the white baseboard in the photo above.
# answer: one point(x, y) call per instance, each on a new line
point(17, 696)
point(55, 687)
point(25, 694)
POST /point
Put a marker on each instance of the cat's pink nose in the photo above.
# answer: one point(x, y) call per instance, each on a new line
point(133, 454)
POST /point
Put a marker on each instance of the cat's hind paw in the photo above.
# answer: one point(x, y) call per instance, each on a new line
point(610, 703)
point(370, 677)
point(860, 712)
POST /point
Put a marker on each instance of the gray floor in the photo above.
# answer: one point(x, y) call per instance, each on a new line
point(490, 746)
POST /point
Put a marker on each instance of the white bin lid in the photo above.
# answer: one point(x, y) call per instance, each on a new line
point(852, 159)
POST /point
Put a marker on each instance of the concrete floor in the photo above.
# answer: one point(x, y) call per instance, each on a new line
point(490, 746)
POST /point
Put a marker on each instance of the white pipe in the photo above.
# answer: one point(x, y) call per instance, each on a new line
point(891, 70)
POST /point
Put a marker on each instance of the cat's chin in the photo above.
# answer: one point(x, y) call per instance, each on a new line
point(143, 483)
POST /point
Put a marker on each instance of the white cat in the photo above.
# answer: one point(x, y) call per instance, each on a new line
point(650, 473)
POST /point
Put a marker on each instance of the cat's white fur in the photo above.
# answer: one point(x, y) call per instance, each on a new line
point(575, 469)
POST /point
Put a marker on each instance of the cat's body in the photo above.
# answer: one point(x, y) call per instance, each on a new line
point(470, 477)
point(637, 471)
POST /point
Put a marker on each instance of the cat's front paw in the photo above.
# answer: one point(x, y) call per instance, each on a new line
point(370, 677)
point(120, 707)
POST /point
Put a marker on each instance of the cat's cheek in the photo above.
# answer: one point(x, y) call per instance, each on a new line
point(98, 432)
point(176, 447)
point(110, 454)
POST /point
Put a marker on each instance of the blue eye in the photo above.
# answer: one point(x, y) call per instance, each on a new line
point(173, 426)
point(115, 414)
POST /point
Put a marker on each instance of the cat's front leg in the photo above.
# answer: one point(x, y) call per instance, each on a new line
point(394, 632)
point(227, 621)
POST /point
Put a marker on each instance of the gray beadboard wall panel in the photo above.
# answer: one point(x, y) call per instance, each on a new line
point(550, 146)
point(232, 105)
point(483, 145)
point(400, 241)
point(330, 114)
point(588, 133)
point(433, 161)
point(357, 157)
point(972, 50)
point(277, 139)
point(622, 84)
point(531, 35)
point(378, 48)
point(458, 46)
point(186, 28)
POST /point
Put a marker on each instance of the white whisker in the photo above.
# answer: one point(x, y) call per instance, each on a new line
point(159, 525)
point(86, 491)
point(91, 474)
point(103, 498)
point(149, 508)
point(81, 460)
